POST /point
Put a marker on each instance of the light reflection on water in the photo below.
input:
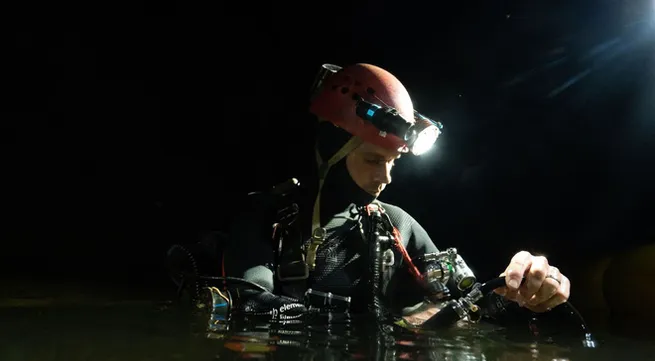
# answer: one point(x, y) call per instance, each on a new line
point(156, 333)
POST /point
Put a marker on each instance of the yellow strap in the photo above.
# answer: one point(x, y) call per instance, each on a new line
point(323, 169)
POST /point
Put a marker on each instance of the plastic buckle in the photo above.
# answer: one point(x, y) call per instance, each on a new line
point(303, 276)
point(318, 236)
point(311, 254)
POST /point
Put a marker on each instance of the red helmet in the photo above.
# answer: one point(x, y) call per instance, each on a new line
point(336, 100)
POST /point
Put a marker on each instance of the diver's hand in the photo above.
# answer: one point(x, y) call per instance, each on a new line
point(544, 287)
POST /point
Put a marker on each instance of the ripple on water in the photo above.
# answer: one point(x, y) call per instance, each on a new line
point(138, 332)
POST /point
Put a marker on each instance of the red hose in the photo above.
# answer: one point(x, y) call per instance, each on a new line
point(399, 244)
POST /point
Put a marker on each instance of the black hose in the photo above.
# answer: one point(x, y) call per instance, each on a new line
point(376, 280)
point(493, 284)
point(500, 282)
point(575, 312)
point(446, 317)
point(375, 228)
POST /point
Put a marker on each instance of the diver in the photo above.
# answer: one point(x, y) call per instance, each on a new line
point(313, 239)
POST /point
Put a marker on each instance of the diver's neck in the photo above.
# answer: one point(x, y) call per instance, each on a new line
point(339, 193)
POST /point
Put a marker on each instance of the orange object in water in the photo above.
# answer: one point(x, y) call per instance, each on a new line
point(248, 347)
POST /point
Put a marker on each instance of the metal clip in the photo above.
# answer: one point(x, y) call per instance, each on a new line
point(326, 301)
point(387, 259)
point(317, 239)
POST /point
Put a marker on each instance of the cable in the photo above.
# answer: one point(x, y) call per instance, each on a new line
point(234, 279)
point(575, 311)
point(500, 282)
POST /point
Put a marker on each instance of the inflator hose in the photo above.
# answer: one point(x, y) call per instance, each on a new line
point(500, 282)
point(448, 316)
point(376, 305)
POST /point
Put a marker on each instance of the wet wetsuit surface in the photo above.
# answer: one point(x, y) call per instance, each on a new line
point(342, 262)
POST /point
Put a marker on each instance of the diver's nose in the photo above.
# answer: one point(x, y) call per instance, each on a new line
point(383, 174)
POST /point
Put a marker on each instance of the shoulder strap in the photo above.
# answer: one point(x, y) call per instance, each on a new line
point(318, 233)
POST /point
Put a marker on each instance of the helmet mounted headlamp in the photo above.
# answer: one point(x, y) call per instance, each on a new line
point(417, 136)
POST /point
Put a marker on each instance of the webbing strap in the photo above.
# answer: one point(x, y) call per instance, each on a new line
point(318, 233)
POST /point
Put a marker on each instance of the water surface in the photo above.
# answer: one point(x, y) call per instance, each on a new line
point(140, 329)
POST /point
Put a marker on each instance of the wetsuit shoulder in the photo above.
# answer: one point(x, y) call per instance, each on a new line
point(249, 254)
point(415, 238)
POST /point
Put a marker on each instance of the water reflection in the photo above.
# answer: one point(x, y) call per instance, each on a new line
point(125, 333)
point(326, 337)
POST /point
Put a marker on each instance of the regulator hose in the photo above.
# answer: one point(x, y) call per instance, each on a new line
point(236, 280)
point(376, 305)
point(449, 314)
point(500, 282)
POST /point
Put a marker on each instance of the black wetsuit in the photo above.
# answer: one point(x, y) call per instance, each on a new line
point(342, 262)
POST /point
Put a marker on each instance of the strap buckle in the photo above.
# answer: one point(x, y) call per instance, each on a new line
point(318, 237)
point(311, 254)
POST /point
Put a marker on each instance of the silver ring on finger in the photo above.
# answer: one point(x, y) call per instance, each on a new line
point(554, 275)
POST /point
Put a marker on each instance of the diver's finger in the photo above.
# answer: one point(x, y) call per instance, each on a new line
point(535, 277)
point(548, 289)
point(560, 297)
point(516, 269)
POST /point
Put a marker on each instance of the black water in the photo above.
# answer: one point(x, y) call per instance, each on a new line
point(139, 330)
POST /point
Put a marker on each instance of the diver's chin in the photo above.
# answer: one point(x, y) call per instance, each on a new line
point(375, 193)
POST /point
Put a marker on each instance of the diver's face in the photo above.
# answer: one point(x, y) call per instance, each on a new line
point(370, 167)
